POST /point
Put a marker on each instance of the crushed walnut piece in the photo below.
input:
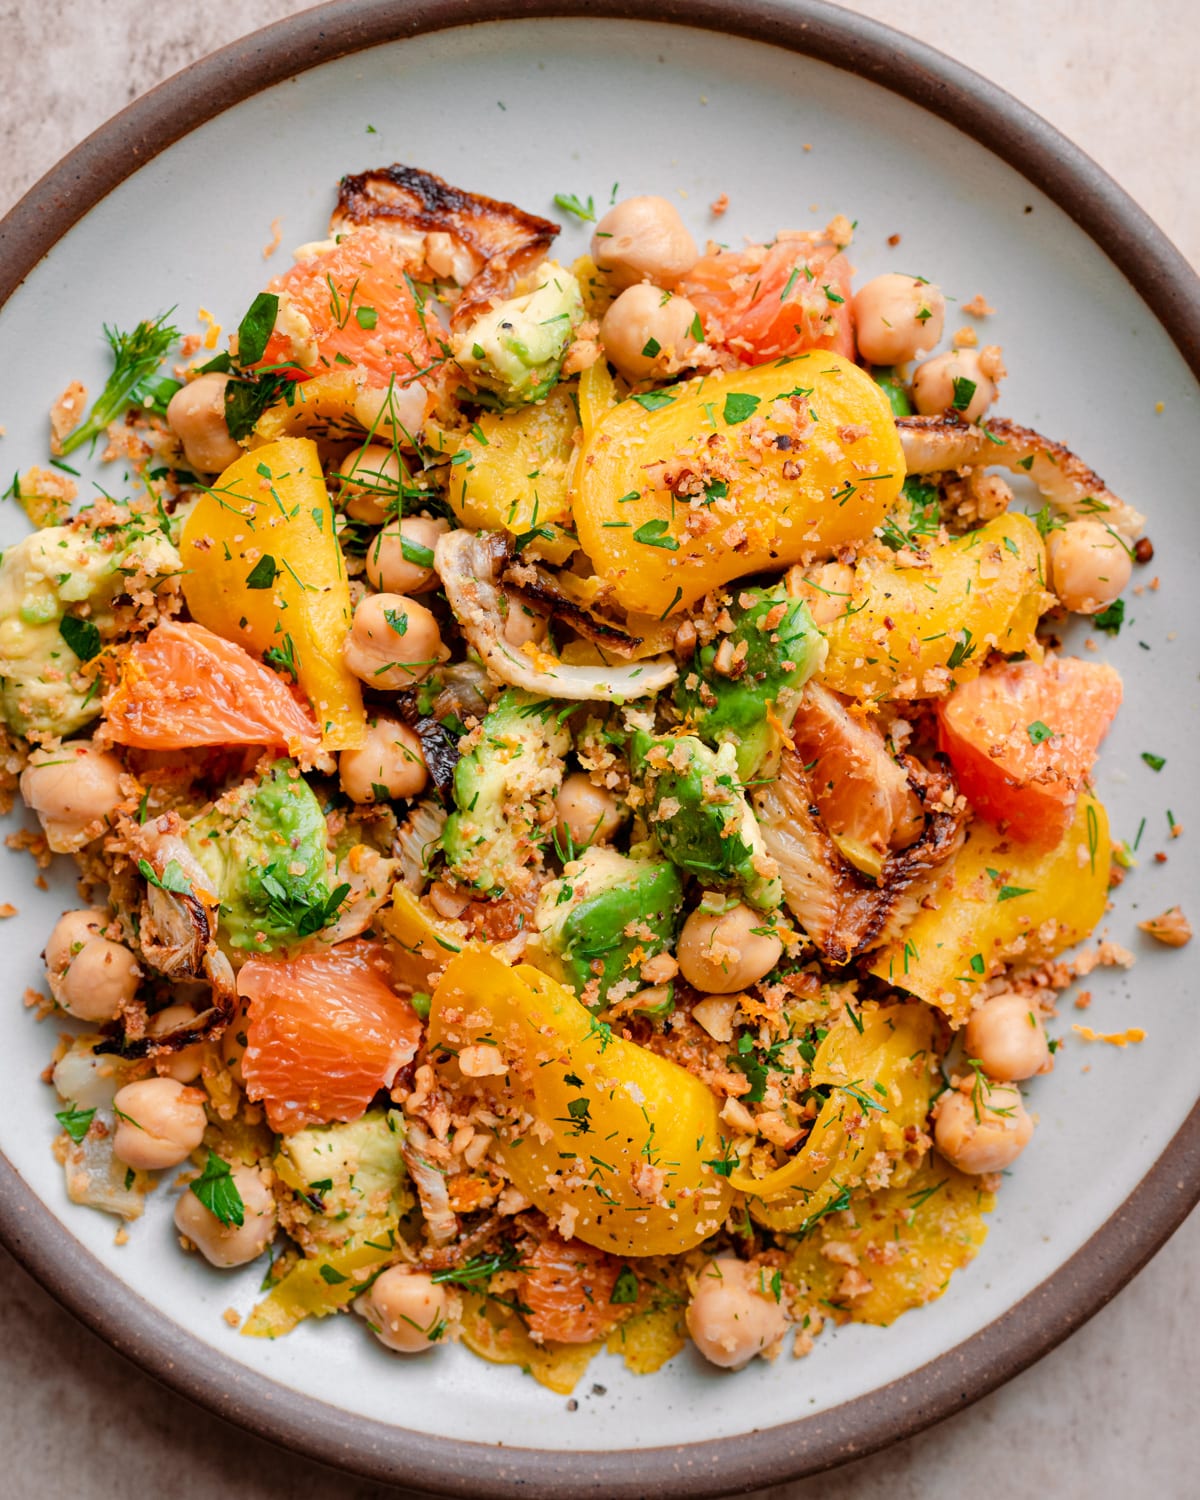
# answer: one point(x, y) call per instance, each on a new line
point(1170, 927)
point(66, 414)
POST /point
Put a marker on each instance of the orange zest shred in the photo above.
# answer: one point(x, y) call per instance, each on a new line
point(1113, 1038)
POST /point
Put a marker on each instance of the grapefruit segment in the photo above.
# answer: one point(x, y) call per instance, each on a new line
point(183, 687)
point(360, 307)
point(325, 1032)
point(568, 1288)
point(862, 792)
point(1023, 737)
point(767, 301)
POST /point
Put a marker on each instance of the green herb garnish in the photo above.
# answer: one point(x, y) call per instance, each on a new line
point(136, 356)
point(217, 1190)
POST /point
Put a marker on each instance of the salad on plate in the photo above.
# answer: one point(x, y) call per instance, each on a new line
point(579, 802)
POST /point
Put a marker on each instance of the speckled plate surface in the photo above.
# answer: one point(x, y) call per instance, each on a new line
point(172, 203)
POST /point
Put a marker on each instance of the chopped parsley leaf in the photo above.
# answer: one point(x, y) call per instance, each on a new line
point(263, 574)
point(218, 1192)
point(81, 635)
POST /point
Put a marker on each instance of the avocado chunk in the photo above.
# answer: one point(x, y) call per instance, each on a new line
point(772, 651)
point(348, 1182)
point(605, 908)
point(504, 790)
point(57, 593)
point(515, 350)
point(263, 847)
point(698, 812)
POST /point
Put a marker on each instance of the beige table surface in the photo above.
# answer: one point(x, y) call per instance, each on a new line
point(1112, 1412)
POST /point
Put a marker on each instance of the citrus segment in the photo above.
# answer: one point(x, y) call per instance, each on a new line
point(765, 302)
point(360, 307)
point(1023, 737)
point(183, 687)
point(325, 1032)
point(568, 1287)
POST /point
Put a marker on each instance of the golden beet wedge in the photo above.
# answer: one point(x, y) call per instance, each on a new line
point(614, 1144)
point(510, 472)
point(910, 632)
point(879, 1071)
point(678, 491)
point(1000, 900)
point(263, 567)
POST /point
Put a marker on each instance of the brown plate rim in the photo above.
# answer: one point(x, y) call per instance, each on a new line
point(1082, 1285)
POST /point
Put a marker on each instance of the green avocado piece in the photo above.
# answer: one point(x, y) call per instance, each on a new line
point(775, 655)
point(504, 789)
point(58, 588)
point(591, 920)
point(890, 383)
point(515, 350)
point(355, 1185)
point(699, 814)
point(263, 846)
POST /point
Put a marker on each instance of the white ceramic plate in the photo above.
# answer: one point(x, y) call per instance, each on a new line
point(521, 110)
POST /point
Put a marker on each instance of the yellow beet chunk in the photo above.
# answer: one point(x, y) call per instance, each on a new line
point(622, 1140)
point(597, 396)
point(497, 1334)
point(881, 1081)
point(593, 286)
point(424, 943)
point(315, 1288)
point(264, 568)
point(321, 408)
point(656, 1332)
point(681, 490)
point(913, 632)
point(510, 471)
point(909, 1240)
point(978, 926)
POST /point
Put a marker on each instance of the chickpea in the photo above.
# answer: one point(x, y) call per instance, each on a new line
point(74, 791)
point(587, 813)
point(933, 382)
point(369, 479)
point(159, 1123)
point(392, 413)
point(389, 763)
point(647, 331)
point(1089, 566)
point(67, 937)
point(1007, 1038)
point(187, 1065)
point(394, 642)
point(897, 317)
point(523, 623)
point(733, 1314)
point(643, 239)
point(982, 1126)
point(228, 1245)
point(390, 570)
point(407, 1310)
point(721, 951)
point(196, 415)
point(90, 976)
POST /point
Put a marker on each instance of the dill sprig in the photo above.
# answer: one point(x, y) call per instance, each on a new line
point(136, 358)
